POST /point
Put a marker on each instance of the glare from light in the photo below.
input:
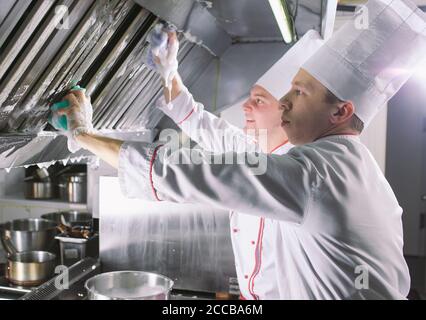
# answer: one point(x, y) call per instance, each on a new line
point(282, 19)
point(421, 71)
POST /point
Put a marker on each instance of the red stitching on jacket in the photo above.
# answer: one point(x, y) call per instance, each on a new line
point(260, 258)
point(186, 118)
point(258, 262)
point(151, 164)
point(258, 250)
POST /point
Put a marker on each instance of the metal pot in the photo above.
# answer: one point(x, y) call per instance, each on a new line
point(35, 189)
point(29, 268)
point(29, 234)
point(73, 187)
point(129, 285)
point(72, 218)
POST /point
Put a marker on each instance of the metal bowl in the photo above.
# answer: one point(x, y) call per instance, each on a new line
point(73, 218)
point(29, 234)
point(129, 285)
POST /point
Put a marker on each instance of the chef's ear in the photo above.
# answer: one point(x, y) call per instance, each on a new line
point(342, 112)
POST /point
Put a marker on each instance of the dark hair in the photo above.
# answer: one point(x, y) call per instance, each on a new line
point(356, 123)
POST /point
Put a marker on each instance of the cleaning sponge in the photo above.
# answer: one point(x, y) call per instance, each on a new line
point(60, 122)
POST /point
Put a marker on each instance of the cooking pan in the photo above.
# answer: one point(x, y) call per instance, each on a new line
point(73, 187)
point(39, 186)
point(30, 234)
point(129, 285)
point(37, 190)
point(28, 268)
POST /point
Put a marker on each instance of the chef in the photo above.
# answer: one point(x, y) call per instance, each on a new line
point(261, 109)
point(340, 235)
point(253, 237)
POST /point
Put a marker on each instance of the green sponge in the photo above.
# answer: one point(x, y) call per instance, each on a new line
point(60, 122)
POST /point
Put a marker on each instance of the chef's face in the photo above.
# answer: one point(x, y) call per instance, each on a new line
point(305, 112)
point(262, 111)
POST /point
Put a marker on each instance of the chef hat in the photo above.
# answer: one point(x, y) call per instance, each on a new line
point(368, 65)
point(277, 80)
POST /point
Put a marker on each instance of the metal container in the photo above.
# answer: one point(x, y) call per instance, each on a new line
point(30, 268)
point(129, 285)
point(73, 187)
point(29, 234)
point(36, 190)
point(72, 218)
point(73, 250)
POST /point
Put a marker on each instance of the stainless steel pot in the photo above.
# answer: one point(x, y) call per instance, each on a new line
point(72, 218)
point(73, 187)
point(129, 285)
point(35, 189)
point(29, 268)
point(29, 234)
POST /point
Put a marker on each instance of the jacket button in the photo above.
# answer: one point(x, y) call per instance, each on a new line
point(235, 230)
point(246, 276)
point(253, 242)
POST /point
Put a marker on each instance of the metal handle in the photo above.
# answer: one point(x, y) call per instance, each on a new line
point(8, 245)
point(43, 174)
point(63, 171)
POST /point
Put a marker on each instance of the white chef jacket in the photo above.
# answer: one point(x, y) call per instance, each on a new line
point(321, 218)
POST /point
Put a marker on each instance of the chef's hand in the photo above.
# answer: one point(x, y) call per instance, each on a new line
point(166, 62)
point(79, 116)
point(80, 132)
point(79, 113)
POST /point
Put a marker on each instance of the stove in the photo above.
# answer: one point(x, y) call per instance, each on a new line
point(77, 276)
point(9, 291)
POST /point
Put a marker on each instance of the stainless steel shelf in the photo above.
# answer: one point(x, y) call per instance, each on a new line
point(54, 203)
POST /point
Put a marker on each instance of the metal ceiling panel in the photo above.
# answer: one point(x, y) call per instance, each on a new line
point(192, 17)
point(46, 46)
point(10, 9)
point(245, 18)
point(99, 44)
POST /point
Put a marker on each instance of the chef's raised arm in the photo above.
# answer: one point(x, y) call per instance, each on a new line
point(209, 131)
point(273, 186)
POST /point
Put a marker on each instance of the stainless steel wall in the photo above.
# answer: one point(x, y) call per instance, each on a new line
point(188, 243)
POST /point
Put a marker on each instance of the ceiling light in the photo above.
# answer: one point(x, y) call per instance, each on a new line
point(283, 18)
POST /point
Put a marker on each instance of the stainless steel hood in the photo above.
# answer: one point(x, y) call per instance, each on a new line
point(48, 45)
